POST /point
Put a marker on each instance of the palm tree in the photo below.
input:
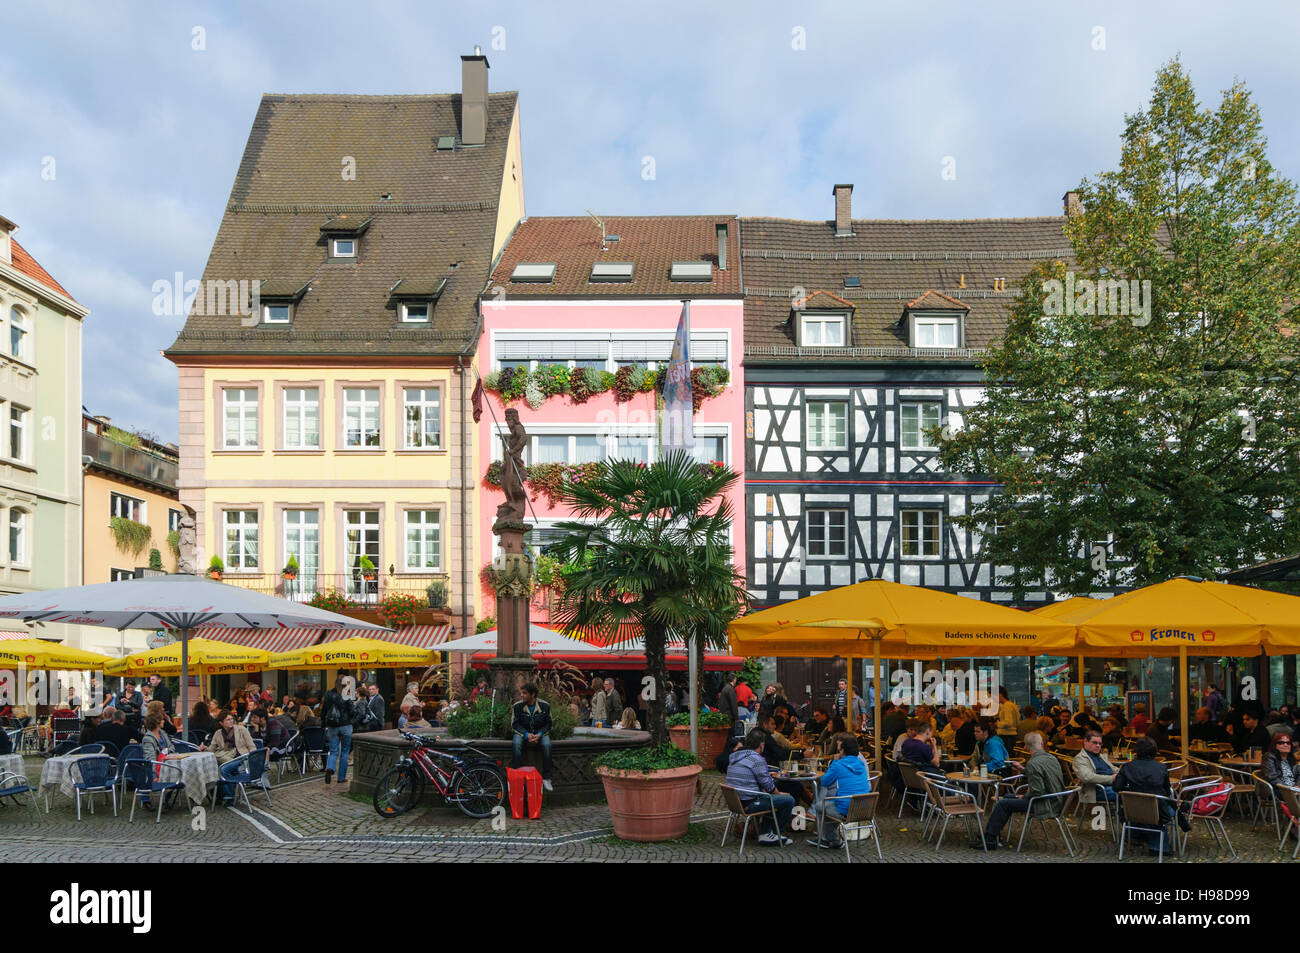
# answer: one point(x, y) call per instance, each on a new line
point(650, 552)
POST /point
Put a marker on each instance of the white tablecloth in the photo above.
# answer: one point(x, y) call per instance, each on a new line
point(12, 762)
point(199, 771)
point(55, 774)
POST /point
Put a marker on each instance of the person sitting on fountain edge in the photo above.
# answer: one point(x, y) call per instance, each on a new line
point(532, 726)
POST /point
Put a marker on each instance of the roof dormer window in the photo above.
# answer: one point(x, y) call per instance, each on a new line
point(415, 312)
point(823, 330)
point(937, 331)
point(343, 247)
point(277, 313)
point(414, 298)
point(344, 235)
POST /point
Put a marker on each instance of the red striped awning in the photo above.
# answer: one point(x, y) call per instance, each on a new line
point(10, 636)
point(416, 636)
point(269, 640)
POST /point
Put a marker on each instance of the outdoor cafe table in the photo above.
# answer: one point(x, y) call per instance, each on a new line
point(804, 777)
point(55, 773)
point(11, 762)
point(199, 772)
point(961, 777)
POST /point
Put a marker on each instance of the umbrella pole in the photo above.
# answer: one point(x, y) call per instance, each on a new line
point(1080, 709)
point(1183, 696)
point(185, 684)
point(848, 694)
point(875, 676)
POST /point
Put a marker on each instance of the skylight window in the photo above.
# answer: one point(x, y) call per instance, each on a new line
point(540, 272)
point(611, 271)
point(691, 271)
point(851, 282)
point(446, 142)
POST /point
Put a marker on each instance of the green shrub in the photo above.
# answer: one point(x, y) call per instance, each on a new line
point(707, 719)
point(480, 719)
point(155, 560)
point(486, 624)
point(646, 759)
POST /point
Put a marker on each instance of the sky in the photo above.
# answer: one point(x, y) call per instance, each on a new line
point(122, 123)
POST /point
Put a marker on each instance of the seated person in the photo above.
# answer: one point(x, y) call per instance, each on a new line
point(964, 739)
point(415, 718)
point(1140, 722)
point(306, 718)
point(230, 740)
point(1163, 730)
point(1205, 730)
point(276, 733)
point(908, 734)
point(1279, 764)
point(257, 724)
point(817, 723)
point(1093, 769)
point(154, 741)
point(88, 727)
point(919, 750)
point(848, 776)
point(201, 719)
point(1112, 736)
point(1117, 712)
point(893, 721)
point(990, 750)
point(167, 726)
point(748, 774)
point(1251, 735)
point(531, 725)
point(1028, 722)
point(628, 720)
point(113, 730)
point(1145, 775)
point(826, 739)
point(1043, 775)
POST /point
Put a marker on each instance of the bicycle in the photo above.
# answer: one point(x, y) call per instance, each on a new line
point(476, 786)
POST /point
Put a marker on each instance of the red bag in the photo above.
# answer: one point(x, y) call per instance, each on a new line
point(1212, 801)
point(524, 782)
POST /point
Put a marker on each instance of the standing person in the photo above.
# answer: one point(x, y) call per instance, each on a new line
point(842, 699)
point(729, 703)
point(745, 695)
point(336, 715)
point(1008, 718)
point(599, 714)
point(613, 702)
point(1214, 702)
point(531, 725)
point(370, 711)
point(131, 704)
point(161, 693)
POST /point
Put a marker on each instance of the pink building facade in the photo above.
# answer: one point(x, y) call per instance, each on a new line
point(571, 304)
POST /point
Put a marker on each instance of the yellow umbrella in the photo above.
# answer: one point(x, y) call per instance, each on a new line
point(207, 657)
point(356, 652)
point(37, 654)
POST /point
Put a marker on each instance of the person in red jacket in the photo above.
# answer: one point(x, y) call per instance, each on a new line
point(745, 695)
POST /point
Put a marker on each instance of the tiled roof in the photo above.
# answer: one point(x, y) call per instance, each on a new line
point(900, 264)
point(432, 214)
point(30, 267)
point(651, 242)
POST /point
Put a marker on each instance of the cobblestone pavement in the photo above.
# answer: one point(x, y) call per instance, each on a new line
point(308, 821)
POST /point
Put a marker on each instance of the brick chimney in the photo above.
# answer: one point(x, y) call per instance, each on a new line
point(1072, 203)
point(843, 210)
point(473, 99)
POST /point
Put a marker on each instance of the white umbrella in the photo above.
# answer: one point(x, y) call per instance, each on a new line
point(541, 641)
point(181, 602)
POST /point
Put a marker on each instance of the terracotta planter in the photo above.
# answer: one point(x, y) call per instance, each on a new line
point(712, 740)
point(215, 574)
point(650, 805)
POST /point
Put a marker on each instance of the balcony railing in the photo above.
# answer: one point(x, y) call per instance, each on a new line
point(129, 461)
point(365, 592)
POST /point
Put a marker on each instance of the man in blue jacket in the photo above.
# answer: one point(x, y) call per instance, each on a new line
point(748, 773)
point(532, 726)
point(848, 776)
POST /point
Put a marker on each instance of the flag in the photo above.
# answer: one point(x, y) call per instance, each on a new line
point(677, 429)
point(476, 399)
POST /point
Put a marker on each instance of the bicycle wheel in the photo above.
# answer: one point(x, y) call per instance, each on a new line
point(398, 791)
point(480, 790)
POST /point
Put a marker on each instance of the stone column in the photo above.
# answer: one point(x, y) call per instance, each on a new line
point(514, 575)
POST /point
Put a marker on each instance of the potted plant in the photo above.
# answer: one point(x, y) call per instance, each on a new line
point(650, 791)
point(367, 569)
point(437, 593)
point(216, 567)
point(155, 560)
point(290, 571)
point(714, 728)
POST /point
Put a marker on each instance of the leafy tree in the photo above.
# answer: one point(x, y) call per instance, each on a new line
point(649, 548)
point(1160, 417)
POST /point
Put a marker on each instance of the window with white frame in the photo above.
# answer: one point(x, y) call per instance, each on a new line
point(17, 432)
point(917, 419)
point(239, 418)
point(361, 538)
point(568, 448)
point(301, 418)
point(240, 542)
point(828, 425)
point(19, 329)
point(423, 540)
point(344, 247)
point(277, 313)
point(648, 348)
point(920, 532)
point(931, 331)
point(828, 532)
point(710, 448)
point(173, 520)
point(360, 417)
point(822, 330)
point(422, 411)
point(302, 542)
point(634, 447)
point(415, 312)
point(18, 554)
point(127, 507)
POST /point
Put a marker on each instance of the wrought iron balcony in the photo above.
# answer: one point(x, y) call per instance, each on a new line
point(365, 593)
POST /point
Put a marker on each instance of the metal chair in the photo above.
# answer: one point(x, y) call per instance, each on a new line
point(96, 777)
point(64, 728)
point(314, 744)
point(1142, 813)
point(178, 745)
point(913, 787)
point(1193, 794)
point(150, 779)
point(15, 785)
point(253, 771)
point(1288, 797)
point(199, 737)
point(93, 747)
point(285, 754)
point(1266, 801)
point(949, 802)
point(1058, 817)
point(737, 811)
point(861, 812)
point(15, 738)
